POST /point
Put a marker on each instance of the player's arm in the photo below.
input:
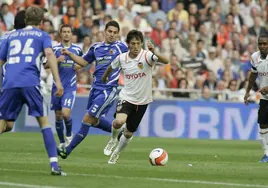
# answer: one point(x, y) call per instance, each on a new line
point(77, 59)
point(160, 57)
point(105, 75)
point(115, 64)
point(252, 78)
point(51, 61)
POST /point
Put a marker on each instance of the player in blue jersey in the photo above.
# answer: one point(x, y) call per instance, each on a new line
point(102, 95)
point(63, 105)
point(19, 23)
point(22, 53)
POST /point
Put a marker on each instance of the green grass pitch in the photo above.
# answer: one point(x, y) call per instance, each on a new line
point(221, 164)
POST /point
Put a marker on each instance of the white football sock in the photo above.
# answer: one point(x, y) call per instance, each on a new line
point(123, 142)
point(264, 140)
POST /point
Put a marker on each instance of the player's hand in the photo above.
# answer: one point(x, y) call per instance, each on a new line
point(65, 51)
point(61, 58)
point(246, 98)
point(264, 90)
point(104, 79)
point(150, 46)
point(60, 89)
point(77, 67)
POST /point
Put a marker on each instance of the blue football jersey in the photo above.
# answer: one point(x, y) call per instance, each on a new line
point(2, 41)
point(66, 68)
point(23, 51)
point(103, 55)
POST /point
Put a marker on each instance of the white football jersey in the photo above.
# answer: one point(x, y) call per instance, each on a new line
point(137, 76)
point(260, 66)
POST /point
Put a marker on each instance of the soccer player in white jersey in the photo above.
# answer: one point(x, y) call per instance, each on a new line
point(136, 94)
point(259, 62)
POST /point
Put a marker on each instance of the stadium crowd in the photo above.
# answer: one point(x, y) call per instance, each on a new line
point(209, 42)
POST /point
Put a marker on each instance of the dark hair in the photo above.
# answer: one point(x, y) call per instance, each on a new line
point(134, 34)
point(263, 34)
point(113, 24)
point(4, 4)
point(65, 26)
point(200, 40)
point(19, 21)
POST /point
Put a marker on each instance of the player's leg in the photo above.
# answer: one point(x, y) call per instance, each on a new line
point(263, 121)
point(59, 127)
point(123, 109)
point(87, 121)
point(38, 108)
point(68, 100)
point(56, 106)
point(102, 104)
point(11, 103)
point(133, 122)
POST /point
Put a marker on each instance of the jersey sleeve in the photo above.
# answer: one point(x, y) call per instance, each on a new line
point(253, 60)
point(123, 47)
point(116, 62)
point(4, 50)
point(150, 58)
point(89, 56)
point(80, 52)
point(47, 42)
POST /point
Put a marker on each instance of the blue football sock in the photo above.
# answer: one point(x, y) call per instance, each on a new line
point(60, 129)
point(81, 135)
point(50, 145)
point(104, 125)
point(68, 125)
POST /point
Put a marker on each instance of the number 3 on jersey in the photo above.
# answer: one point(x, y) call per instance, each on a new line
point(17, 50)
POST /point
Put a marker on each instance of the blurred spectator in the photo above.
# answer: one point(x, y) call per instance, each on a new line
point(222, 96)
point(130, 15)
point(157, 93)
point(179, 74)
point(71, 14)
point(257, 29)
point(232, 94)
point(190, 77)
point(122, 21)
point(193, 62)
point(85, 28)
point(7, 16)
point(201, 51)
point(211, 81)
point(228, 69)
point(206, 95)
point(212, 62)
point(87, 9)
point(182, 13)
point(98, 6)
point(55, 17)
point(158, 33)
point(113, 11)
point(155, 14)
point(172, 45)
point(182, 84)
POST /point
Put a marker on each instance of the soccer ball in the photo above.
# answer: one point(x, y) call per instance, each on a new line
point(158, 157)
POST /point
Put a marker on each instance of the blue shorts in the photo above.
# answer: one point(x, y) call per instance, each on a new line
point(12, 100)
point(65, 101)
point(100, 101)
